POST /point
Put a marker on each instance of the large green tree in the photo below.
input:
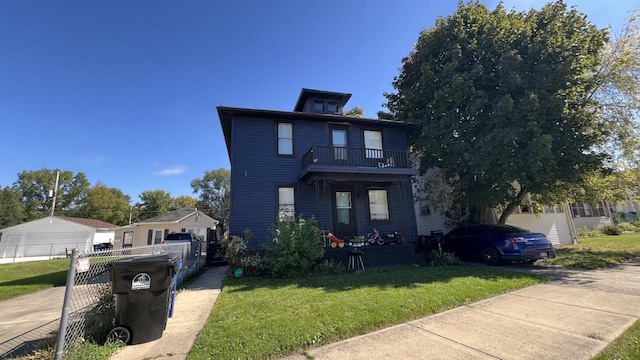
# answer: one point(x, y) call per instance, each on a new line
point(34, 188)
point(214, 193)
point(618, 94)
point(106, 204)
point(184, 201)
point(502, 100)
point(153, 203)
point(11, 210)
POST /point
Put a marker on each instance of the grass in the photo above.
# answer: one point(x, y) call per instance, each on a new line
point(28, 277)
point(86, 351)
point(598, 252)
point(259, 318)
point(625, 347)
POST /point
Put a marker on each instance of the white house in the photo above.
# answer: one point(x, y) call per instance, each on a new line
point(152, 231)
point(53, 235)
point(558, 222)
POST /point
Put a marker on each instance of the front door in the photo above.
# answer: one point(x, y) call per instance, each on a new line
point(344, 214)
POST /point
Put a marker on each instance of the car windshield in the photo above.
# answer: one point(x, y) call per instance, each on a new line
point(510, 230)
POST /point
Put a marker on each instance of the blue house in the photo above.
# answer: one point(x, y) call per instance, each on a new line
point(352, 174)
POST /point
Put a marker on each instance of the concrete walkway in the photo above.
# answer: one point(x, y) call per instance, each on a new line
point(573, 317)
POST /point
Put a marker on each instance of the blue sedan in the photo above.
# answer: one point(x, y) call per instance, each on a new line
point(498, 243)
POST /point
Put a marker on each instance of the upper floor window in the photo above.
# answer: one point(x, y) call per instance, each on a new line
point(318, 106)
point(332, 107)
point(373, 144)
point(285, 139)
point(424, 208)
point(286, 202)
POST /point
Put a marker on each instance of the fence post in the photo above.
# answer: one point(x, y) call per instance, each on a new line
point(68, 293)
point(15, 253)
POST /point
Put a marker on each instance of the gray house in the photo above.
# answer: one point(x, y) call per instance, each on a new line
point(352, 174)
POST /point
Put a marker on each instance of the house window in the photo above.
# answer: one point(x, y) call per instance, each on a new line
point(424, 208)
point(127, 239)
point(285, 139)
point(343, 207)
point(158, 236)
point(378, 205)
point(586, 210)
point(332, 107)
point(286, 202)
point(339, 142)
point(318, 106)
point(373, 144)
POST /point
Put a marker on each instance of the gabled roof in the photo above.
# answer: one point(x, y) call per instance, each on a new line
point(98, 224)
point(92, 223)
point(174, 216)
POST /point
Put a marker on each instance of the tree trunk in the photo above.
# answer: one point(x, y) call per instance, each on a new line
point(512, 206)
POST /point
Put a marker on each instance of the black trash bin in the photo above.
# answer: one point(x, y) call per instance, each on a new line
point(143, 289)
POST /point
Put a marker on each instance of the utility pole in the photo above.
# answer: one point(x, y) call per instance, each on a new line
point(55, 194)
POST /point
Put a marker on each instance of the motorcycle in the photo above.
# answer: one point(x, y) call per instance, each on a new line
point(394, 237)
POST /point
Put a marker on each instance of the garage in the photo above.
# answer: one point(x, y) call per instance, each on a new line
point(52, 235)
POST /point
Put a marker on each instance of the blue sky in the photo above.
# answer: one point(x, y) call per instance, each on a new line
point(126, 91)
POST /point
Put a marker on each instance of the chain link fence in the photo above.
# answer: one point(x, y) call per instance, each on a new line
point(88, 306)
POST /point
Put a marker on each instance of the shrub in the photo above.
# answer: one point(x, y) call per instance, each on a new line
point(239, 255)
point(439, 258)
point(296, 246)
point(625, 226)
point(611, 230)
point(586, 232)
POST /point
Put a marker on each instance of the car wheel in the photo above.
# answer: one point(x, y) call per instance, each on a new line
point(119, 334)
point(531, 261)
point(490, 256)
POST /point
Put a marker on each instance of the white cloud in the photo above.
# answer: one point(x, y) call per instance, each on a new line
point(171, 171)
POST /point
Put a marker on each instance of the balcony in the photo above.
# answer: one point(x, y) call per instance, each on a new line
point(351, 160)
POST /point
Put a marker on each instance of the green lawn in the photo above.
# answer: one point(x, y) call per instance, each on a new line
point(625, 347)
point(27, 277)
point(598, 252)
point(260, 318)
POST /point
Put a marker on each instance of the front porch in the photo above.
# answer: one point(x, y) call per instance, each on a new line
point(376, 255)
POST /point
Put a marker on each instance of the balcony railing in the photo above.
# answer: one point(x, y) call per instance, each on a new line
point(355, 157)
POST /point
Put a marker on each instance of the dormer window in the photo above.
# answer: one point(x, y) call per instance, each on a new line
point(318, 106)
point(332, 107)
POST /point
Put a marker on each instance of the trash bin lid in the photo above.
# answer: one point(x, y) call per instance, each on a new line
point(169, 259)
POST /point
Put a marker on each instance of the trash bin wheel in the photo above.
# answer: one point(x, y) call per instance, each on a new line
point(119, 334)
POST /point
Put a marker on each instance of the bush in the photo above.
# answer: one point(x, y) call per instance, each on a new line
point(586, 232)
point(239, 255)
point(296, 246)
point(625, 226)
point(438, 258)
point(611, 230)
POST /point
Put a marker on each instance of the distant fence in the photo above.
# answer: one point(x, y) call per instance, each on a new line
point(87, 310)
point(26, 252)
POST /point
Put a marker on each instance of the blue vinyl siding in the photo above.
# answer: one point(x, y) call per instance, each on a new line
point(257, 171)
